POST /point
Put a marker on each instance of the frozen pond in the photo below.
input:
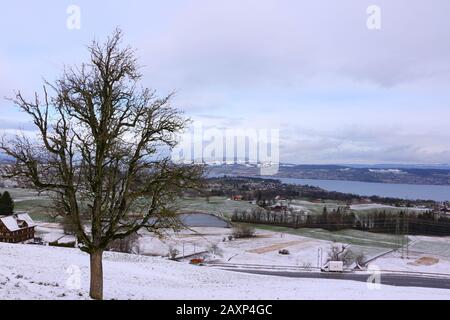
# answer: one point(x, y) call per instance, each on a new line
point(203, 220)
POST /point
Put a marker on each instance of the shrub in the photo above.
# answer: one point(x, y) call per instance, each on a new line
point(346, 255)
point(243, 231)
point(62, 245)
point(127, 245)
point(173, 253)
point(215, 250)
point(69, 227)
point(360, 258)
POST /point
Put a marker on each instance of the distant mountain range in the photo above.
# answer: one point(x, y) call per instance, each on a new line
point(399, 166)
point(381, 173)
point(431, 174)
point(4, 158)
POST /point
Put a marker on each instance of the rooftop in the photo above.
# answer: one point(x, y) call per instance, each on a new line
point(17, 221)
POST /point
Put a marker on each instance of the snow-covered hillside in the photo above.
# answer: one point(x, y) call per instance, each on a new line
point(34, 272)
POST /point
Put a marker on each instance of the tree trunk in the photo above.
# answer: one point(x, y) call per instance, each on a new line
point(96, 291)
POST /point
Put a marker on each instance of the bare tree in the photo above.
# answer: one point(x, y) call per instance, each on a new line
point(345, 254)
point(215, 250)
point(68, 227)
point(243, 231)
point(102, 152)
point(337, 252)
point(128, 245)
point(173, 253)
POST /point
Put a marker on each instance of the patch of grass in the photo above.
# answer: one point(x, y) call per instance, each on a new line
point(30, 201)
point(37, 208)
point(18, 193)
point(354, 237)
point(317, 208)
point(362, 212)
point(215, 205)
point(42, 217)
point(33, 205)
point(432, 247)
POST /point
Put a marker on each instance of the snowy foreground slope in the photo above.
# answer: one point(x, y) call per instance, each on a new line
point(34, 272)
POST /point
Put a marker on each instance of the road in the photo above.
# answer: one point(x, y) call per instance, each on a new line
point(403, 280)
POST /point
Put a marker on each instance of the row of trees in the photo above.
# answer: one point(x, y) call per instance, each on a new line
point(426, 223)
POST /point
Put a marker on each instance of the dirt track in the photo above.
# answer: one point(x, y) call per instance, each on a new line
point(275, 247)
point(426, 261)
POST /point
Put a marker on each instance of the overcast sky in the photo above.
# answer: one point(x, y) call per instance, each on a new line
point(338, 92)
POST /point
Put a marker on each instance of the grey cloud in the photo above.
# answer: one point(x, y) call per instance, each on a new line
point(365, 146)
point(12, 125)
point(253, 42)
point(249, 64)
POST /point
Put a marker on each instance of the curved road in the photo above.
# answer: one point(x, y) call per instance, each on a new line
point(403, 280)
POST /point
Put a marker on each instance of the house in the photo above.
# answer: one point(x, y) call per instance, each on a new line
point(16, 228)
point(366, 201)
point(237, 197)
point(279, 208)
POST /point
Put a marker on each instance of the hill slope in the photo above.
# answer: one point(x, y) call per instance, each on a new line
point(33, 272)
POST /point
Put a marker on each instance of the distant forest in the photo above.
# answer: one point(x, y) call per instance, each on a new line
point(266, 190)
point(426, 223)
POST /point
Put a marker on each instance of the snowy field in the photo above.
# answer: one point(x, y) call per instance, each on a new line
point(262, 249)
point(372, 206)
point(317, 207)
point(36, 272)
point(426, 254)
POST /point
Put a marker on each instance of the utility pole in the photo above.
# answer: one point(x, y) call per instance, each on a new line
point(407, 235)
point(399, 231)
point(319, 257)
point(403, 235)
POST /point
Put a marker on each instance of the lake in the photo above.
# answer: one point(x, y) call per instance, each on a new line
point(203, 220)
point(403, 191)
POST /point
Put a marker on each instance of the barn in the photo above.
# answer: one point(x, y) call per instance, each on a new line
point(16, 228)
